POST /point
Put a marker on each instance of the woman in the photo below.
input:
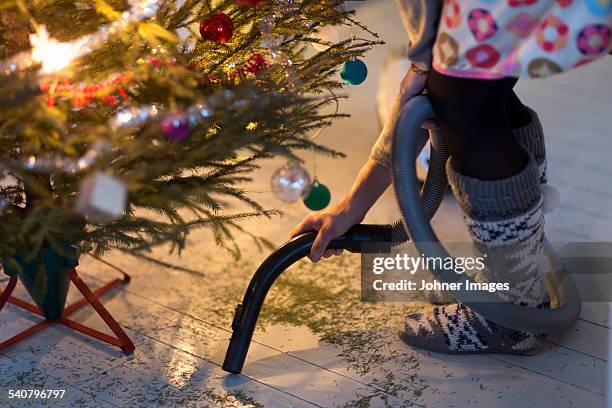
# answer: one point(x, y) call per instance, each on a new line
point(478, 49)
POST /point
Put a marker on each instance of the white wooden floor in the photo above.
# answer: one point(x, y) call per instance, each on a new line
point(317, 344)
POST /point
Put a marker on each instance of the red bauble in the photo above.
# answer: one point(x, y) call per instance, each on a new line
point(218, 27)
point(255, 63)
point(251, 3)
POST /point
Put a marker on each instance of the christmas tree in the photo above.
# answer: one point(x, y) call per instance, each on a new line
point(123, 126)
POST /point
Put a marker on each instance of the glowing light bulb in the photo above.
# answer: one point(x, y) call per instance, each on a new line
point(52, 54)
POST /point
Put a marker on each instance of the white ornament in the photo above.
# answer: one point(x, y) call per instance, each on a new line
point(291, 183)
point(102, 198)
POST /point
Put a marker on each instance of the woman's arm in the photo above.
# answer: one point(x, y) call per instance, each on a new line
point(412, 85)
point(420, 18)
point(371, 183)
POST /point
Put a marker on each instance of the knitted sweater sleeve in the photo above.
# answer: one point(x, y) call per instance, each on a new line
point(420, 19)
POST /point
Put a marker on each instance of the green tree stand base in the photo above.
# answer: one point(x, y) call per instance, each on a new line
point(53, 298)
point(45, 278)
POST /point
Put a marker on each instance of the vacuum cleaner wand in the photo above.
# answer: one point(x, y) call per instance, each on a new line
point(247, 312)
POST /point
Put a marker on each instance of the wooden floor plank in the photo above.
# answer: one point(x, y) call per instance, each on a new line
point(272, 369)
point(566, 366)
point(586, 338)
point(444, 373)
point(596, 313)
point(16, 376)
point(266, 365)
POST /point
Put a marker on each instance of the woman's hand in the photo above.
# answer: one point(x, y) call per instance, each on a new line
point(331, 222)
point(371, 183)
point(412, 85)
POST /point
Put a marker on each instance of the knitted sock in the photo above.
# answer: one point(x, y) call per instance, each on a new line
point(506, 222)
point(531, 137)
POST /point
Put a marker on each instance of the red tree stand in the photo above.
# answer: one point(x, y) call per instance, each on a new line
point(122, 340)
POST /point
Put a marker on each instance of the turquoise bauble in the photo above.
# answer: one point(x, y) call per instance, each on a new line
point(318, 198)
point(354, 72)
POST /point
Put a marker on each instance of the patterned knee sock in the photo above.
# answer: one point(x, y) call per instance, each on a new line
point(531, 137)
point(506, 222)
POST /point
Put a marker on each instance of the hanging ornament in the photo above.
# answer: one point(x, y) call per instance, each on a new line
point(218, 27)
point(354, 72)
point(254, 64)
point(175, 127)
point(290, 182)
point(102, 198)
point(319, 196)
point(250, 3)
point(328, 34)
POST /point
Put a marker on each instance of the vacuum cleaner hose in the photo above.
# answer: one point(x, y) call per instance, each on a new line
point(417, 213)
point(418, 206)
